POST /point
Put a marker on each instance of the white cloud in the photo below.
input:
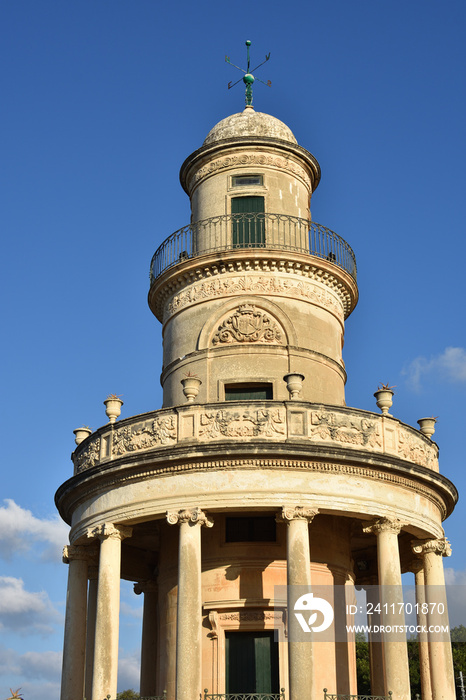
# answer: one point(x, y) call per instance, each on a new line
point(450, 365)
point(37, 673)
point(36, 690)
point(25, 612)
point(130, 611)
point(20, 530)
point(42, 665)
point(9, 662)
point(128, 670)
point(456, 596)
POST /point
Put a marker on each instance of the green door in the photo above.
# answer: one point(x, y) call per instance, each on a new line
point(248, 222)
point(251, 664)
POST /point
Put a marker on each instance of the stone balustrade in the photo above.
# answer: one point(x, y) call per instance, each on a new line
point(295, 422)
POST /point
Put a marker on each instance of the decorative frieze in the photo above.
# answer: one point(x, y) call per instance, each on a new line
point(252, 616)
point(161, 431)
point(255, 159)
point(248, 325)
point(347, 429)
point(269, 285)
point(271, 420)
point(270, 423)
point(89, 457)
point(413, 450)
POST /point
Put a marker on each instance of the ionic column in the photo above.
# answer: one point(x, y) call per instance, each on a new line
point(298, 573)
point(440, 655)
point(149, 637)
point(92, 575)
point(74, 646)
point(417, 567)
point(395, 650)
point(189, 602)
point(104, 681)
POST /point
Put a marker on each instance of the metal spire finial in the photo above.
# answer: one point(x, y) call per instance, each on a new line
point(248, 77)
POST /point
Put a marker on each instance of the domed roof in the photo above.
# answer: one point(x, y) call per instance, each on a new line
point(249, 123)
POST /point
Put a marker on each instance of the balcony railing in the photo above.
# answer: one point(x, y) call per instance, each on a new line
point(229, 232)
point(244, 696)
point(345, 696)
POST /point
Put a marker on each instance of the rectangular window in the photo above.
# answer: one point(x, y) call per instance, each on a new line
point(247, 180)
point(248, 392)
point(247, 529)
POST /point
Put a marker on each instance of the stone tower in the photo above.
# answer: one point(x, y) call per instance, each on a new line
point(254, 477)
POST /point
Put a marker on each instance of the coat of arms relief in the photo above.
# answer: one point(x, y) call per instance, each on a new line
point(248, 325)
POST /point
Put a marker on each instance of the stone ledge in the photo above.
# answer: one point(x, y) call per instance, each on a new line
point(200, 425)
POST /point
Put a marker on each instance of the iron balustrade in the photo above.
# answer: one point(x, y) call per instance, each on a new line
point(257, 230)
point(345, 696)
point(244, 696)
point(146, 697)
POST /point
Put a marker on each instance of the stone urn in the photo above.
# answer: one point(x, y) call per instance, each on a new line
point(191, 387)
point(294, 384)
point(81, 434)
point(384, 400)
point(427, 426)
point(113, 406)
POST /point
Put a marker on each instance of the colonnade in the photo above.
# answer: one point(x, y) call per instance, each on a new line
point(90, 654)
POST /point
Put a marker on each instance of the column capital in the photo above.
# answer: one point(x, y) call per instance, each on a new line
point(393, 525)
point(145, 587)
point(290, 513)
point(415, 565)
point(109, 530)
point(72, 552)
point(196, 516)
point(437, 546)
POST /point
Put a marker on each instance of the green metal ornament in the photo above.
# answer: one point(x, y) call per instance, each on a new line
point(248, 77)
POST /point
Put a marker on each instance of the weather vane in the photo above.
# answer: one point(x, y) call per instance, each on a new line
point(248, 77)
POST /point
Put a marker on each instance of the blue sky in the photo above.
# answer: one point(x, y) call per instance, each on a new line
point(101, 103)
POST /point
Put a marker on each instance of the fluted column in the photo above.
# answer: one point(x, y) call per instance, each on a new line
point(74, 647)
point(440, 654)
point(298, 567)
point(417, 567)
point(148, 683)
point(395, 650)
point(105, 669)
point(189, 602)
point(92, 575)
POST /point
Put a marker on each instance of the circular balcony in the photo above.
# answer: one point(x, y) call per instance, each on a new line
point(341, 459)
point(231, 232)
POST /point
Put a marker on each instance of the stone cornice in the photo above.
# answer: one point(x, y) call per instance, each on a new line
point(421, 481)
point(166, 293)
point(206, 154)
